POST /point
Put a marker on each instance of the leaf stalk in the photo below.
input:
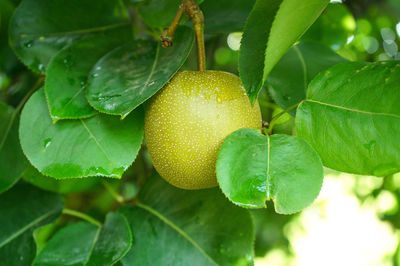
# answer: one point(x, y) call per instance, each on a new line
point(276, 117)
point(81, 216)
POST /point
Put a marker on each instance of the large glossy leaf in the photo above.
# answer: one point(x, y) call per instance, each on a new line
point(253, 168)
point(185, 227)
point(87, 244)
point(99, 146)
point(272, 27)
point(288, 80)
point(23, 209)
point(352, 117)
point(33, 176)
point(39, 29)
point(68, 72)
point(13, 161)
point(129, 75)
point(225, 15)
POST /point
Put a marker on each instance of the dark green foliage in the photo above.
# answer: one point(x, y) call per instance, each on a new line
point(187, 227)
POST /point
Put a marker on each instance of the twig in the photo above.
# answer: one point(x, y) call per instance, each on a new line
point(194, 12)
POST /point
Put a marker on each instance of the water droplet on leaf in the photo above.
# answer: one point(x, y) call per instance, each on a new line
point(47, 143)
point(28, 44)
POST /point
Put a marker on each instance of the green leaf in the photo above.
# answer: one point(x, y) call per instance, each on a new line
point(352, 117)
point(99, 146)
point(13, 161)
point(70, 246)
point(159, 13)
point(129, 75)
point(272, 27)
point(184, 227)
point(68, 72)
point(268, 230)
point(114, 242)
point(253, 168)
point(23, 209)
point(39, 29)
point(225, 15)
point(6, 10)
point(87, 244)
point(288, 80)
point(33, 176)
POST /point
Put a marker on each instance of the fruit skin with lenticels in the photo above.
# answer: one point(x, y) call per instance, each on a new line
point(187, 121)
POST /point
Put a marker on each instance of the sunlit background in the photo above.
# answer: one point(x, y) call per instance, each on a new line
point(345, 226)
point(355, 221)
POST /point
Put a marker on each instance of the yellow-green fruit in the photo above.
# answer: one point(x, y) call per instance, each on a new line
point(187, 121)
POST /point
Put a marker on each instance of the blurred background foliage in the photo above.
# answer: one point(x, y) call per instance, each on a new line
point(355, 220)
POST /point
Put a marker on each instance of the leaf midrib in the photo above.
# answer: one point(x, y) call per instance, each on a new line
point(9, 126)
point(351, 109)
point(96, 238)
point(96, 141)
point(268, 181)
point(303, 64)
point(25, 228)
point(76, 32)
point(153, 67)
point(176, 228)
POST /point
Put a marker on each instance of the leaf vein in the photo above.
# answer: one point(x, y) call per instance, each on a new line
point(96, 237)
point(153, 67)
point(23, 229)
point(95, 139)
point(268, 181)
point(303, 65)
point(351, 109)
point(176, 228)
point(77, 32)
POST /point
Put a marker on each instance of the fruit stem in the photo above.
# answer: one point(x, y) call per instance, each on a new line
point(275, 118)
point(194, 12)
point(81, 216)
